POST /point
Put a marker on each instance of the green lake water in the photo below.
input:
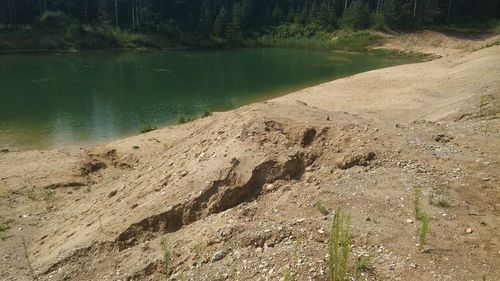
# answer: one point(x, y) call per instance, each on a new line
point(53, 100)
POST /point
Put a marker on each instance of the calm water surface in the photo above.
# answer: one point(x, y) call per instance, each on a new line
point(52, 100)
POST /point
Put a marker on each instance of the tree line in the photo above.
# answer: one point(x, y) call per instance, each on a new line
point(240, 18)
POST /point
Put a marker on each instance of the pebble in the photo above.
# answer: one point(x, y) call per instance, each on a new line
point(468, 230)
point(409, 221)
point(184, 173)
point(112, 193)
point(219, 255)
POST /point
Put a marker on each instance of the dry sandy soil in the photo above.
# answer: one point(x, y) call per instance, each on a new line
point(249, 194)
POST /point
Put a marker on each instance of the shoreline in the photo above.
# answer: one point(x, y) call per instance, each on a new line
point(283, 91)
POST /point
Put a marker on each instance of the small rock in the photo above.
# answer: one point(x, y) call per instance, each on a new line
point(112, 193)
point(409, 221)
point(269, 187)
point(184, 173)
point(468, 230)
point(219, 255)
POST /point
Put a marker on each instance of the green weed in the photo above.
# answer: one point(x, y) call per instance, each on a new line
point(438, 202)
point(3, 227)
point(319, 206)
point(166, 254)
point(147, 128)
point(363, 264)
point(26, 255)
point(183, 119)
point(338, 246)
point(207, 112)
point(423, 230)
point(416, 204)
point(198, 250)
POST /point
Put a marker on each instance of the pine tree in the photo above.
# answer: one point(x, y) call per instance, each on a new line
point(220, 23)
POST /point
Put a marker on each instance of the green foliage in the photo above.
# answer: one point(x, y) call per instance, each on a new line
point(3, 227)
point(96, 24)
point(357, 15)
point(417, 194)
point(166, 255)
point(148, 128)
point(378, 22)
point(26, 255)
point(53, 20)
point(338, 246)
point(207, 112)
point(319, 206)
point(220, 24)
point(359, 41)
point(198, 251)
point(438, 202)
point(183, 119)
point(363, 263)
point(423, 230)
point(420, 215)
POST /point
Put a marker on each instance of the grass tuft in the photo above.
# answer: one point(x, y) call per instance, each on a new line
point(207, 112)
point(3, 228)
point(363, 264)
point(338, 246)
point(147, 128)
point(417, 195)
point(319, 206)
point(166, 254)
point(183, 119)
point(438, 202)
point(423, 230)
point(26, 255)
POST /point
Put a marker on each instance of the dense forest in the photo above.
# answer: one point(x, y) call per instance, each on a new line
point(234, 20)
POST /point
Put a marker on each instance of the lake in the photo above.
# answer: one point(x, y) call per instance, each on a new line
point(54, 100)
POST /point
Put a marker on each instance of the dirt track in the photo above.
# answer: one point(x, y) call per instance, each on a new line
point(236, 195)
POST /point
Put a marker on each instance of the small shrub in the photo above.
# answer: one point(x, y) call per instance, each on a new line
point(438, 202)
point(198, 250)
point(378, 22)
point(288, 276)
point(182, 120)
point(51, 20)
point(147, 128)
point(74, 33)
point(338, 246)
point(206, 113)
point(363, 263)
point(416, 204)
point(166, 257)
point(319, 206)
point(423, 230)
point(135, 147)
point(3, 228)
